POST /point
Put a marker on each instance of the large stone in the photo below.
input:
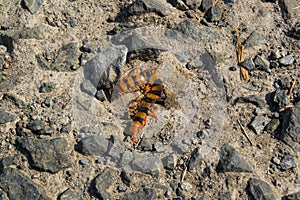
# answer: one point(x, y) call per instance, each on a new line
point(6, 117)
point(102, 185)
point(33, 5)
point(255, 39)
point(146, 163)
point(95, 145)
point(231, 161)
point(46, 155)
point(259, 189)
point(19, 186)
point(291, 128)
point(145, 6)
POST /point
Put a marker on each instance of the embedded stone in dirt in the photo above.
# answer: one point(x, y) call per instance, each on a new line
point(10, 181)
point(259, 189)
point(145, 193)
point(46, 155)
point(6, 117)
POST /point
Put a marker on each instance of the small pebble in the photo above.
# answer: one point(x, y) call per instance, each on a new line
point(276, 160)
point(287, 60)
point(185, 186)
point(3, 49)
point(288, 162)
point(84, 161)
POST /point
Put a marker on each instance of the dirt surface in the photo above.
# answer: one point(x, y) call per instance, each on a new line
point(214, 97)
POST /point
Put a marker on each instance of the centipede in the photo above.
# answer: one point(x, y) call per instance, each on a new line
point(151, 93)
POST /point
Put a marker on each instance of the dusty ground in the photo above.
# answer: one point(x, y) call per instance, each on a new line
point(22, 76)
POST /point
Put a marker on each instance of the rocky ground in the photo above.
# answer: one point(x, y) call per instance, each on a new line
point(63, 126)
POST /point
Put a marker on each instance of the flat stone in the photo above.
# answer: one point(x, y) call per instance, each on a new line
point(110, 59)
point(291, 128)
point(126, 159)
point(248, 64)
point(179, 4)
point(95, 145)
point(7, 161)
point(198, 32)
point(259, 189)
point(145, 6)
point(33, 5)
point(259, 122)
point(6, 117)
point(33, 33)
point(262, 63)
point(179, 147)
point(66, 58)
point(10, 180)
point(231, 161)
point(213, 14)
point(102, 185)
point(36, 125)
point(146, 163)
point(256, 100)
point(170, 161)
point(281, 98)
point(100, 95)
point(47, 155)
point(287, 60)
point(145, 193)
point(196, 158)
point(116, 149)
point(87, 87)
point(255, 39)
point(287, 162)
point(70, 194)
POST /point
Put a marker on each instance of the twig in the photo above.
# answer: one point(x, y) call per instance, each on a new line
point(245, 133)
point(291, 89)
point(240, 56)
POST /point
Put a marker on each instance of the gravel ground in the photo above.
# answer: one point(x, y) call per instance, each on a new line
point(219, 135)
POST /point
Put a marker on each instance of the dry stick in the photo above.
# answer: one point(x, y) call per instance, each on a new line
point(244, 131)
point(240, 56)
point(291, 89)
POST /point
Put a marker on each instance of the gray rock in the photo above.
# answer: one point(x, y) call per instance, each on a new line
point(259, 122)
point(66, 58)
point(33, 5)
point(284, 83)
point(295, 32)
point(95, 145)
point(274, 64)
point(291, 128)
point(126, 159)
point(99, 69)
point(46, 87)
point(230, 1)
point(19, 186)
point(179, 4)
point(117, 149)
point(262, 63)
point(36, 125)
point(6, 117)
point(100, 95)
point(179, 147)
point(145, 6)
point(196, 158)
point(145, 193)
point(255, 39)
point(281, 98)
point(272, 126)
point(8, 40)
point(126, 179)
point(198, 32)
point(87, 87)
point(293, 196)
point(186, 186)
point(206, 4)
point(287, 60)
point(170, 161)
point(193, 4)
point(84, 161)
point(33, 33)
point(103, 183)
point(70, 194)
point(47, 155)
point(7, 161)
point(146, 163)
point(256, 100)
point(259, 189)
point(287, 162)
point(146, 144)
point(231, 161)
point(213, 14)
point(248, 64)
